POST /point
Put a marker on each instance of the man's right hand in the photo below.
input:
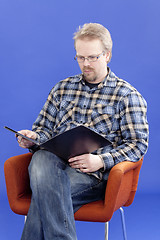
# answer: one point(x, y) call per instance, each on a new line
point(23, 142)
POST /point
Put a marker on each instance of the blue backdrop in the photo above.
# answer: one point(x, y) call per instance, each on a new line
point(36, 51)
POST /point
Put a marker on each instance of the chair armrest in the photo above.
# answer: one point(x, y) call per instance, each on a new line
point(120, 191)
point(17, 180)
point(122, 184)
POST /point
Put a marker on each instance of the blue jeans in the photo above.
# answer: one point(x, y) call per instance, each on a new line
point(57, 192)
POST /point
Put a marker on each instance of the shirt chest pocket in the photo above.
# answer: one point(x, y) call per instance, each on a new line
point(65, 112)
point(103, 117)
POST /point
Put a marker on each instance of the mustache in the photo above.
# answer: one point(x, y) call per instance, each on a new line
point(88, 68)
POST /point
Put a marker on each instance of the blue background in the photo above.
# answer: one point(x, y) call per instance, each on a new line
point(36, 51)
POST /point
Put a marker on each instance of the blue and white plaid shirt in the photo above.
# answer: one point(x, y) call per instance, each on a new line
point(114, 109)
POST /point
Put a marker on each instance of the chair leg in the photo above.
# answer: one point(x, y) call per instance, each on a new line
point(106, 230)
point(123, 223)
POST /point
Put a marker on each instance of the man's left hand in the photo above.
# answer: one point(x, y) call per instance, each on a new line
point(86, 162)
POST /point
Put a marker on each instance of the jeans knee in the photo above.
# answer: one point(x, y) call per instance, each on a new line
point(36, 165)
point(44, 165)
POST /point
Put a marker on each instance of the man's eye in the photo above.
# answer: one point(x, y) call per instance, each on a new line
point(92, 57)
point(80, 58)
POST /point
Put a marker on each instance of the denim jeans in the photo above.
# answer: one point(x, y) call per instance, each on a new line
point(57, 192)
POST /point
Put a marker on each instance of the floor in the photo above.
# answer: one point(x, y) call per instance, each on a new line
point(142, 222)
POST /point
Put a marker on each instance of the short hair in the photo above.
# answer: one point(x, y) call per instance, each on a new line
point(95, 31)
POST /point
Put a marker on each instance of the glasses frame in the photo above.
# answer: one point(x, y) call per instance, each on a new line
point(89, 58)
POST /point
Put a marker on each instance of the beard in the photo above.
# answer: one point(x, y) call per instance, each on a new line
point(89, 75)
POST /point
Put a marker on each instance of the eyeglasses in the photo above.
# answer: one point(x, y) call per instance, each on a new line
point(93, 58)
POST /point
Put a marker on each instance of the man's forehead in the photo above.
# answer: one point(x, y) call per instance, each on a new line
point(88, 46)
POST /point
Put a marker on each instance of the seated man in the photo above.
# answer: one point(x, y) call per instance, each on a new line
point(100, 100)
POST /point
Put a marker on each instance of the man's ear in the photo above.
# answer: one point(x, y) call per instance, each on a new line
point(108, 56)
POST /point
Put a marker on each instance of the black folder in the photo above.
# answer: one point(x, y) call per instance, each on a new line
point(73, 142)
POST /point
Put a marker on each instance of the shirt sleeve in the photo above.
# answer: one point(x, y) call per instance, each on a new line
point(134, 132)
point(44, 123)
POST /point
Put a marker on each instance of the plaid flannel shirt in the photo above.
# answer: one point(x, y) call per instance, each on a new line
point(114, 109)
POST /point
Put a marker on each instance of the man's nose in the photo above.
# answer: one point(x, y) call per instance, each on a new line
point(86, 62)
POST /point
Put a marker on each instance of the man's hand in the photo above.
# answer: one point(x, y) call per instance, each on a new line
point(86, 162)
point(23, 142)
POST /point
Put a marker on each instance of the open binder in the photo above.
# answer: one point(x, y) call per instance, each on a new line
point(73, 142)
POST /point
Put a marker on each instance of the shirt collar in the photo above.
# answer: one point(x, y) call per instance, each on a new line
point(109, 81)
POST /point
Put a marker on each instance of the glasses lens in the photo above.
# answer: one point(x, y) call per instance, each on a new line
point(92, 58)
point(80, 59)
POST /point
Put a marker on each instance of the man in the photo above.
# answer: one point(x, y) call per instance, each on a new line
point(101, 101)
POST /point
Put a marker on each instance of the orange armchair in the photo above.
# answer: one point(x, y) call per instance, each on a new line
point(120, 190)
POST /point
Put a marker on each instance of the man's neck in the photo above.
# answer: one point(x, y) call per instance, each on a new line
point(91, 85)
